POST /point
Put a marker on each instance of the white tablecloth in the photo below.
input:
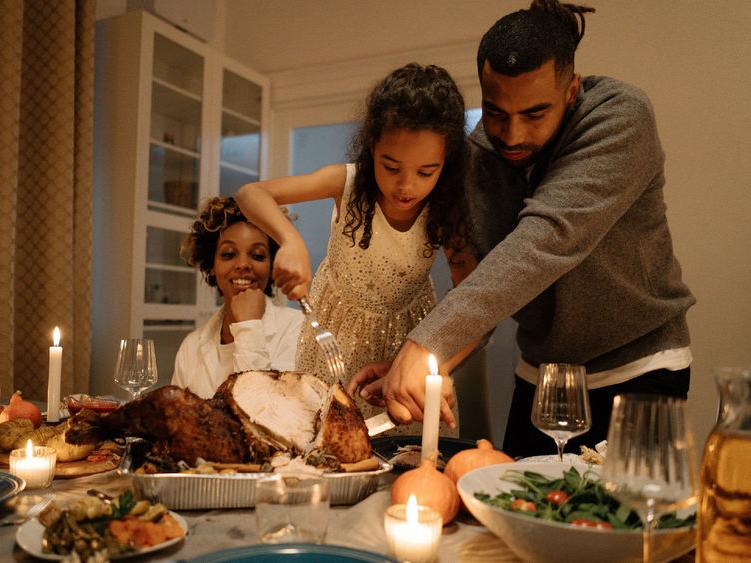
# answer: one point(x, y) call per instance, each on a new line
point(359, 526)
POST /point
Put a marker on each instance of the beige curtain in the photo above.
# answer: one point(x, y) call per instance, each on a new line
point(46, 119)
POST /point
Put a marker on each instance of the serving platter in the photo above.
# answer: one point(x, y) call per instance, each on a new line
point(191, 491)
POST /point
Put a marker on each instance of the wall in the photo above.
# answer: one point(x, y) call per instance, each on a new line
point(690, 57)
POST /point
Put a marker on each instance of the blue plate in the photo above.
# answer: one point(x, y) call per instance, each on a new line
point(301, 552)
point(10, 486)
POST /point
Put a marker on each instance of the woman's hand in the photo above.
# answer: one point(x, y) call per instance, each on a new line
point(247, 305)
point(292, 271)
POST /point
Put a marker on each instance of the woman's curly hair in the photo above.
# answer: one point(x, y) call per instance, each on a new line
point(199, 247)
point(418, 98)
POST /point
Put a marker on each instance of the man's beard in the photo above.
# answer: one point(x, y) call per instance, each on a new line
point(501, 146)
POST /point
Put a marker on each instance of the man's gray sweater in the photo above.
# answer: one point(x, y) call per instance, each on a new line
point(580, 254)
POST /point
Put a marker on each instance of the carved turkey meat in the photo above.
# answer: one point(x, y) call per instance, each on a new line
point(296, 412)
point(253, 415)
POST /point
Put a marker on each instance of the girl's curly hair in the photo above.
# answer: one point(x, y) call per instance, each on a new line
point(199, 247)
point(418, 98)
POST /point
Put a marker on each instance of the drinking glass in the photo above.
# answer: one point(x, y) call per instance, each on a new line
point(561, 405)
point(292, 509)
point(135, 369)
point(651, 464)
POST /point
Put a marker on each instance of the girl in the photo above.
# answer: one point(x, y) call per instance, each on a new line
point(250, 331)
point(400, 201)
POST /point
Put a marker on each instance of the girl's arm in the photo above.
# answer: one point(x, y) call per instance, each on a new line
point(260, 203)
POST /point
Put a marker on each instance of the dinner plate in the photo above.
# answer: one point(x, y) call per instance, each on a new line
point(29, 537)
point(301, 552)
point(387, 446)
point(10, 486)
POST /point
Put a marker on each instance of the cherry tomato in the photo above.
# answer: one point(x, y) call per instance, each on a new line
point(557, 497)
point(586, 522)
point(521, 505)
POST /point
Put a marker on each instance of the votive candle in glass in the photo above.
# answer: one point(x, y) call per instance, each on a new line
point(413, 531)
point(34, 464)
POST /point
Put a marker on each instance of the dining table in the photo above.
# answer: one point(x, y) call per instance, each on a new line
point(358, 526)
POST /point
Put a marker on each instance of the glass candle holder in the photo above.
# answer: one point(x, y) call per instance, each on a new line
point(34, 464)
point(413, 532)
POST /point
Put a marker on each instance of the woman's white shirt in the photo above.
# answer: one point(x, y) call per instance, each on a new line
point(203, 363)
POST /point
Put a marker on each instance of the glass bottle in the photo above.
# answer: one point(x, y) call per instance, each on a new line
point(724, 518)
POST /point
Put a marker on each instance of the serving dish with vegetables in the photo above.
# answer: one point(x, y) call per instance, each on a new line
point(97, 527)
point(559, 512)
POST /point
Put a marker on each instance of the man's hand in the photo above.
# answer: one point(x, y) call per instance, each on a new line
point(247, 305)
point(404, 386)
point(368, 381)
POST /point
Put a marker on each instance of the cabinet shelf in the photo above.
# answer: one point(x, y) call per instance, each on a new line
point(176, 89)
point(242, 122)
point(170, 268)
point(175, 148)
point(238, 168)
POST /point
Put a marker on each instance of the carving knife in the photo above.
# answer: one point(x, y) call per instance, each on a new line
point(379, 423)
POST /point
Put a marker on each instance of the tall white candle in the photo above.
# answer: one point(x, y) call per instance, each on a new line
point(53, 382)
point(431, 416)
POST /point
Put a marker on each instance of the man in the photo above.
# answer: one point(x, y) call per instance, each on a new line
point(565, 186)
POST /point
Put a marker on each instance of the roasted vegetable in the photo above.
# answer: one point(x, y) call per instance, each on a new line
point(12, 429)
point(38, 437)
point(66, 451)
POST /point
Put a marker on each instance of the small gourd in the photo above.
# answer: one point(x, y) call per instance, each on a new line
point(467, 460)
point(431, 488)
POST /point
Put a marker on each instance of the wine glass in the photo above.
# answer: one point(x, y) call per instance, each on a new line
point(561, 405)
point(135, 370)
point(650, 465)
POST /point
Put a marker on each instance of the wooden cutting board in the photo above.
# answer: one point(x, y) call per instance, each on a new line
point(71, 469)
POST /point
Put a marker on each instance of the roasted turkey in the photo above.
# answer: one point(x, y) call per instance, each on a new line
point(253, 415)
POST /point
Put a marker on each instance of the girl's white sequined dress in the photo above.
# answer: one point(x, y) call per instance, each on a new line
point(370, 299)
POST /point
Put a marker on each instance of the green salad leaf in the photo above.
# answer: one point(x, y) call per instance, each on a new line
point(574, 498)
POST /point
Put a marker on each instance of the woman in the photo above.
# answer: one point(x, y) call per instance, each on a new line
point(249, 331)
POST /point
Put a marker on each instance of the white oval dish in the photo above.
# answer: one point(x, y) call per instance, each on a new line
point(537, 540)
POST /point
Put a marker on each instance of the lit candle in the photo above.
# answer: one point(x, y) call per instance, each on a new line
point(431, 416)
point(35, 465)
point(53, 382)
point(413, 532)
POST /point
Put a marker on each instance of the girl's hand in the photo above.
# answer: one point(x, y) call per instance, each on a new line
point(368, 383)
point(292, 271)
point(247, 305)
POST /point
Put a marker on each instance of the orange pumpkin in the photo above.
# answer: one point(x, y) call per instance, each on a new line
point(467, 460)
point(431, 488)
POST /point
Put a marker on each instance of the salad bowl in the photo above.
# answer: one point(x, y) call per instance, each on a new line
point(537, 539)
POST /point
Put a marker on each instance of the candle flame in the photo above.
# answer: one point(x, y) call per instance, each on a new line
point(29, 449)
point(432, 365)
point(412, 514)
point(56, 337)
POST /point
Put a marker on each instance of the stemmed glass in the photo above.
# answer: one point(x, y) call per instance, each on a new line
point(650, 465)
point(561, 405)
point(135, 370)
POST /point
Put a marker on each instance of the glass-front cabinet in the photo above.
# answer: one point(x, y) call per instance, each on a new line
point(175, 123)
